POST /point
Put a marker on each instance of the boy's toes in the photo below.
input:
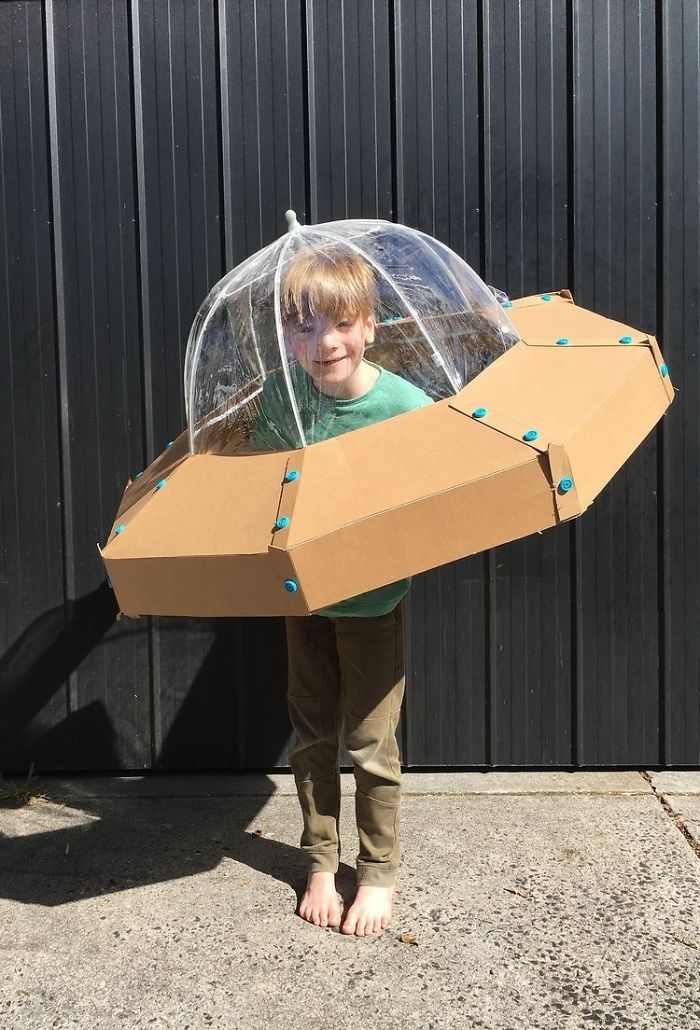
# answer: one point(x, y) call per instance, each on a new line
point(349, 925)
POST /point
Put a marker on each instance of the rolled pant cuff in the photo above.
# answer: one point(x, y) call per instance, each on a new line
point(376, 875)
point(326, 863)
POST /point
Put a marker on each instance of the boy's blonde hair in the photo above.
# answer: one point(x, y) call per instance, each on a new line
point(329, 281)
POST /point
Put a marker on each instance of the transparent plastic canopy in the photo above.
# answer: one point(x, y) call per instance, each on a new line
point(270, 367)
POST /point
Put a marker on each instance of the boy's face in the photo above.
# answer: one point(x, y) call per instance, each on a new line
point(330, 350)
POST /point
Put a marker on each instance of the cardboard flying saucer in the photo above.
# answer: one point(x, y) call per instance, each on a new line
point(526, 444)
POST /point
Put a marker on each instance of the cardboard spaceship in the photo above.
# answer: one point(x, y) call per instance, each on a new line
point(210, 529)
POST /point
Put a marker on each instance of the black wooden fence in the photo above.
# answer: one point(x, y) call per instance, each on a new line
point(148, 146)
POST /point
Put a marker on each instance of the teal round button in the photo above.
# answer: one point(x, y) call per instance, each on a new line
point(291, 586)
point(531, 434)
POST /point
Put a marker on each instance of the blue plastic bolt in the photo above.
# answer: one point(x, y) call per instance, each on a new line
point(546, 296)
point(562, 341)
point(531, 434)
point(282, 522)
point(160, 484)
point(171, 443)
point(507, 304)
point(291, 586)
point(566, 484)
point(138, 474)
point(291, 476)
point(479, 412)
point(120, 528)
point(663, 369)
point(625, 339)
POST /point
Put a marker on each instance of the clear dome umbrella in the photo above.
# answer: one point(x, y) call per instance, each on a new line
point(436, 324)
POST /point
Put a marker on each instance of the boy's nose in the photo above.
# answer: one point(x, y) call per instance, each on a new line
point(327, 339)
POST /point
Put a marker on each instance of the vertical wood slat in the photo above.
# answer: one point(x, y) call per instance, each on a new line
point(163, 147)
point(89, 126)
point(680, 330)
point(438, 191)
point(350, 132)
point(526, 172)
point(31, 534)
point(616, 270)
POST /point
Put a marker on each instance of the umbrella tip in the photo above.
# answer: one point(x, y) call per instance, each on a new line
point(292, 223)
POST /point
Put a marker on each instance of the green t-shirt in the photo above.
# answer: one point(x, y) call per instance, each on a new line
point(324, 417)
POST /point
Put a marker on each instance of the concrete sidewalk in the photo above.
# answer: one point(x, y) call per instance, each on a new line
point(538, 900)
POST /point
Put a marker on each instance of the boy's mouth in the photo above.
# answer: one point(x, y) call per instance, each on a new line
point(329, 361)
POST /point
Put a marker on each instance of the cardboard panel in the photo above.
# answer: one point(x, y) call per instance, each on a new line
point(436, 529)
point(547, 321)
point(553, 390)
point(393, 463)
point(617, 428)
point(228, 584)
point(210, 505)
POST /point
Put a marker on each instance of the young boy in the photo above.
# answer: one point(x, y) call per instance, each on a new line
point(346, 663)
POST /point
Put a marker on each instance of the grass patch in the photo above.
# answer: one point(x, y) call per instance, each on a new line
point(14, 795)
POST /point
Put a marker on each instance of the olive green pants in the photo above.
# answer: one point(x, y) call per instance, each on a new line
point(346, 682)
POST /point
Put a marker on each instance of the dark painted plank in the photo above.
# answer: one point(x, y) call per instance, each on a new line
point(177, 119)
point(679, 333)
point(349, 110)
point(263, 114)
point(615, 274)
point(527, 239)
point(89, 92)
point(33, 696)
point(438, 190)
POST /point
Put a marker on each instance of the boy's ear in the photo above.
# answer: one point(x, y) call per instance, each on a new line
point(369, 326)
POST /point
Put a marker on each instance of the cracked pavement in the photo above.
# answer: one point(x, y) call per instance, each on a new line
point(547, 900)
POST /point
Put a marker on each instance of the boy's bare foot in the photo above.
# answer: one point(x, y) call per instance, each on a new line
point(320, 904)
point(370, 912)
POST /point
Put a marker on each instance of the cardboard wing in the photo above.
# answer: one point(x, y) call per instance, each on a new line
point(527, 444)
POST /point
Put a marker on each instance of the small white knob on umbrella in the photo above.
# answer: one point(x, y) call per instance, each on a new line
point(292, 223)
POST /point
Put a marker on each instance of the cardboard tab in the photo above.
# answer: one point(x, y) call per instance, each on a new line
point(566, 497)
point(286, 506)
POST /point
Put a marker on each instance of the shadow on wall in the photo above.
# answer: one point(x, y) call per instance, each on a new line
point(221, 702)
